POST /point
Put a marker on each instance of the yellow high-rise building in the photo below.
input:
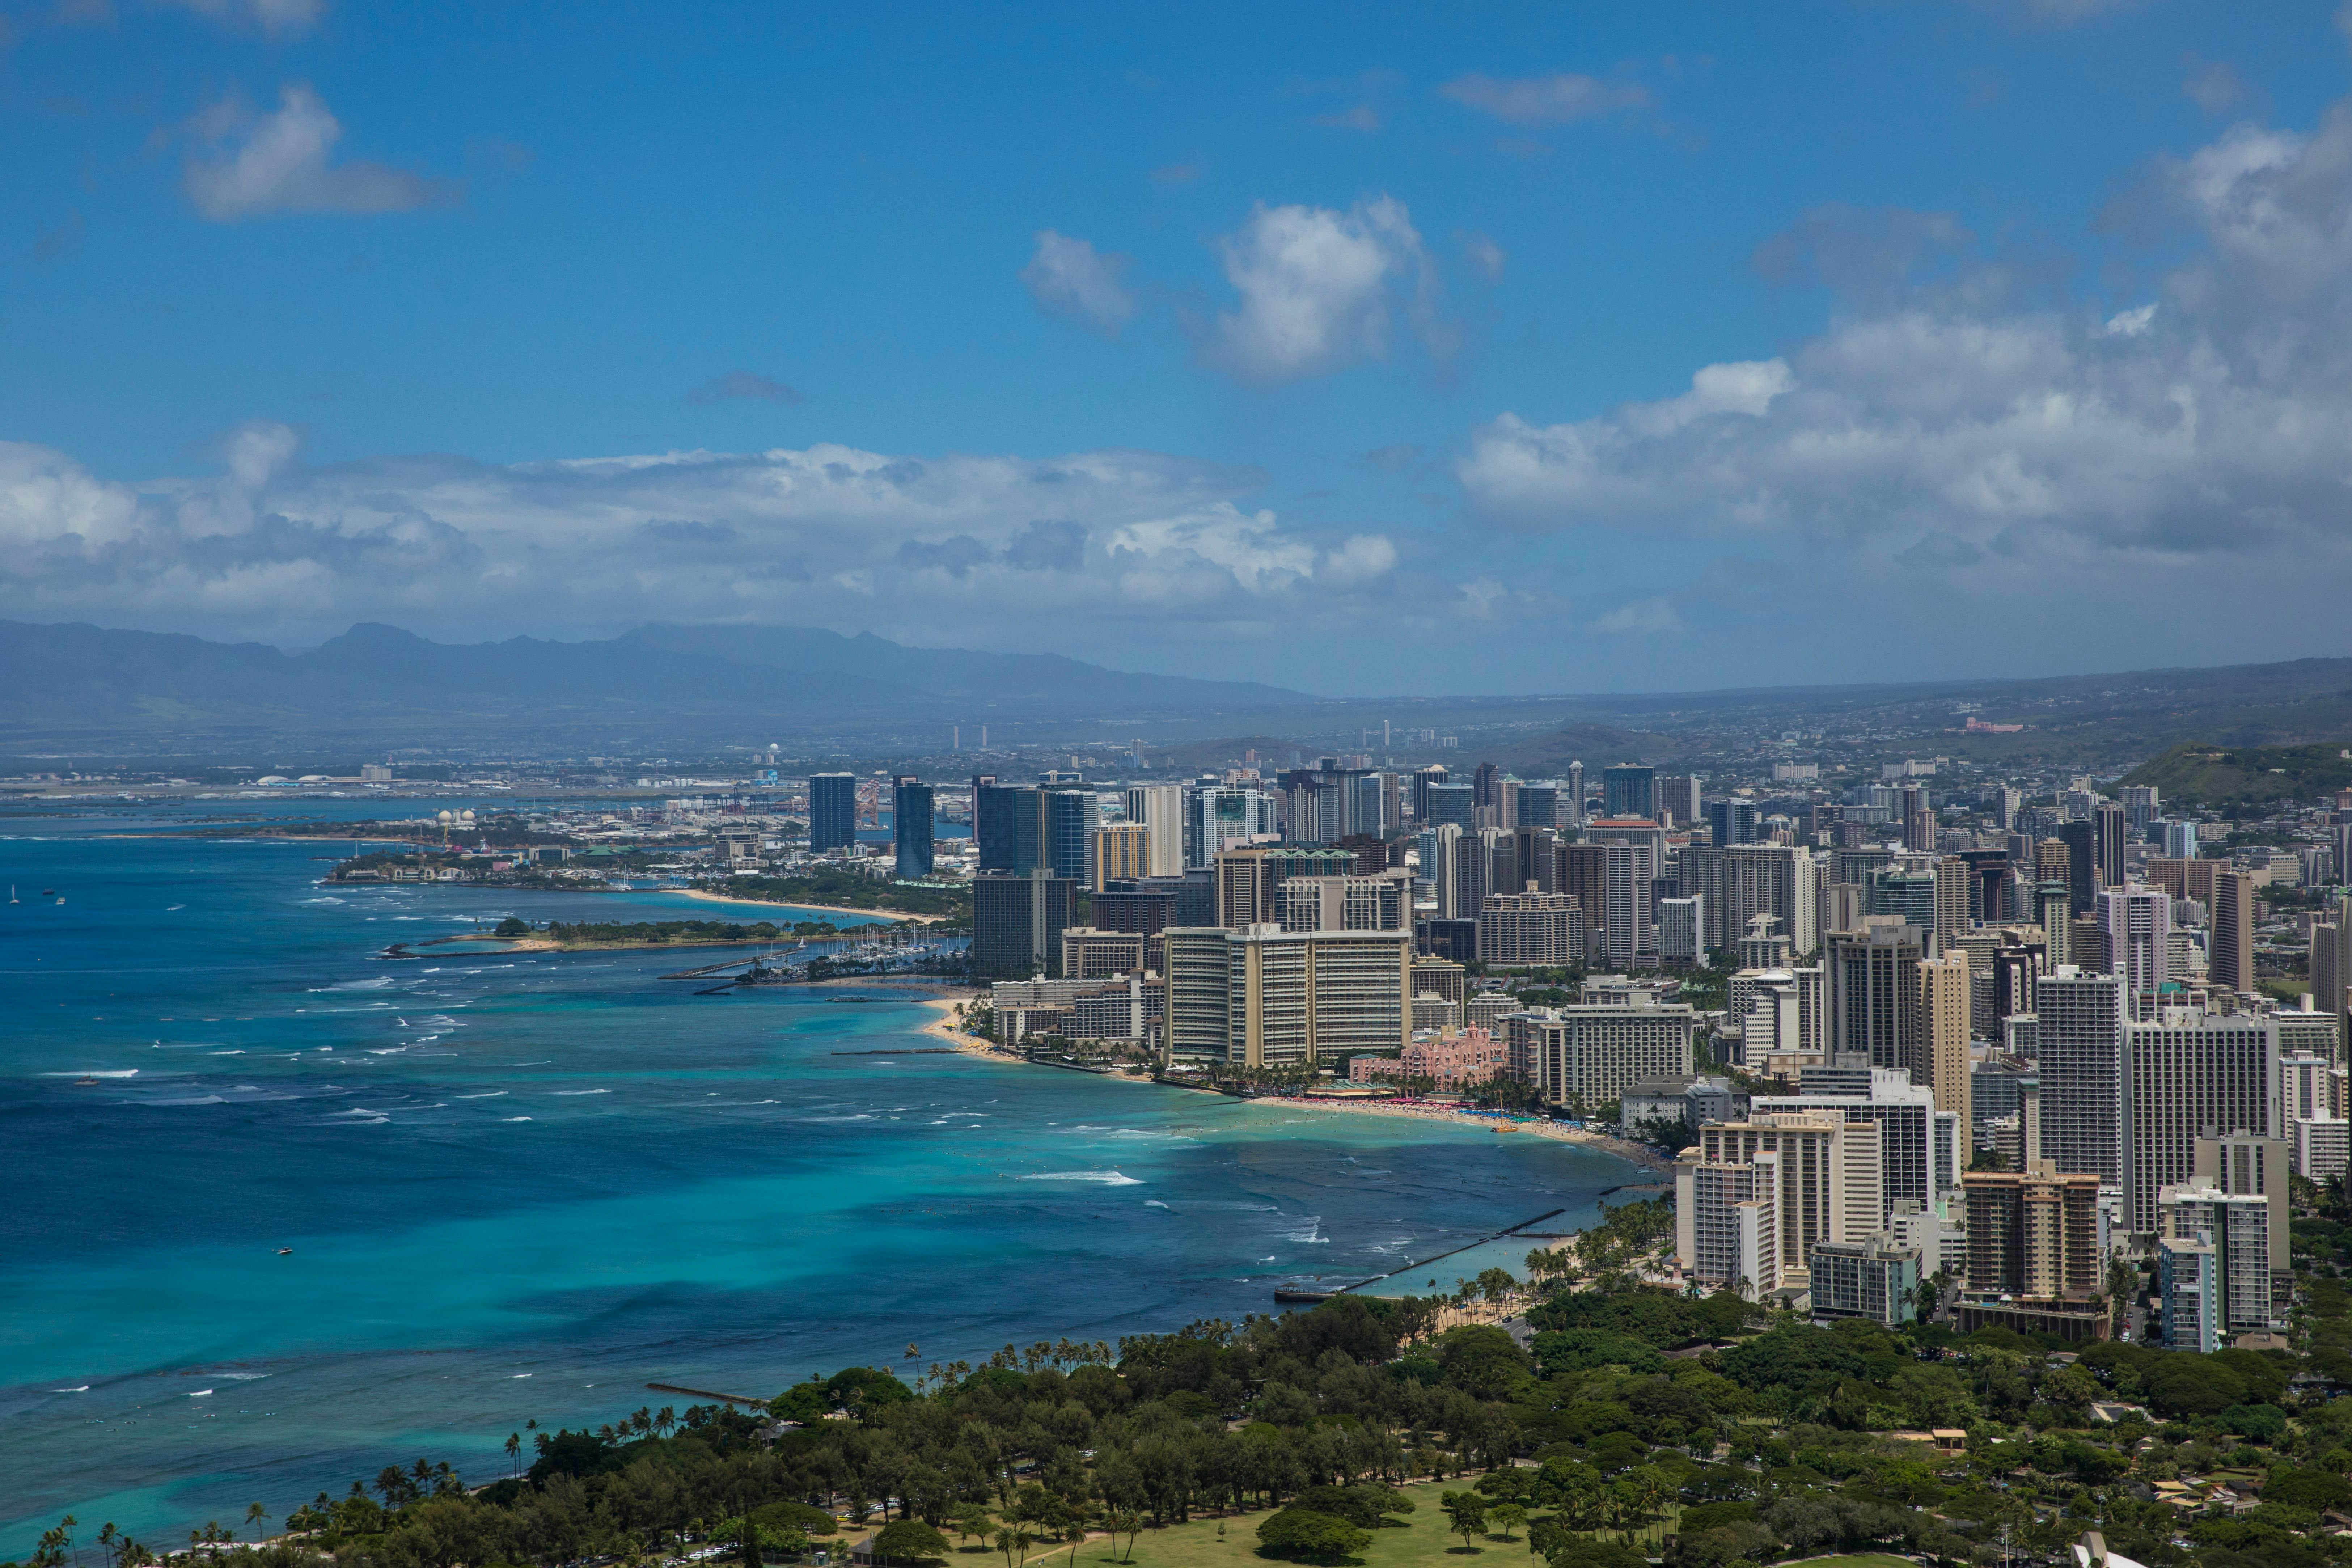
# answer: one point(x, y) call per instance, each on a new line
point(1122, 852)
point(1943, 1001)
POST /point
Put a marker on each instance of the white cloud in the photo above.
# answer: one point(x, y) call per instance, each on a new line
point(249, 164)
point(1069, 279)
point(2213, 86)
point(1559, 99)
point(1643, 615)
point(1318, 289)
point(276, 18)
point(1087, 540)
point(1363, 116)
point(1948, 425)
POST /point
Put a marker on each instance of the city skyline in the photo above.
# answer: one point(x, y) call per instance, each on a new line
point(1351, 362)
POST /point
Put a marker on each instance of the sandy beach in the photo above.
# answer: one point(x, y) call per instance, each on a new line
point(816, 909)
point(1640, 1154)
point(943, 1027)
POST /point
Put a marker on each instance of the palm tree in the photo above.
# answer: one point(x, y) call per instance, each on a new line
point(514, 1451)
point(254, 1514)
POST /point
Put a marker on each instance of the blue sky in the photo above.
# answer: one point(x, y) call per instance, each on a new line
point(1367, 350)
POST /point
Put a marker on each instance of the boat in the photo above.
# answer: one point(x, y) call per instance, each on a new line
point(12, 894)
point(284, 1251)
point(48, 893)
point(85, 1081)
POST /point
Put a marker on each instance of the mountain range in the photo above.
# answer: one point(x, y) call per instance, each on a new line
point(80, 682)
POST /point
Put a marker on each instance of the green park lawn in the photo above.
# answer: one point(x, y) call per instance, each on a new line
point(1424, 1541)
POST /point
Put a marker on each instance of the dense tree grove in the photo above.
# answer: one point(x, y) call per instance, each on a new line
point(1636, 1425)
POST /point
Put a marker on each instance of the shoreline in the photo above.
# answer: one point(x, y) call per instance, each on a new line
point(876, 916)
point(942, 1027)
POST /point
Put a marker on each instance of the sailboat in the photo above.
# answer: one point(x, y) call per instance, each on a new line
point(12, 894)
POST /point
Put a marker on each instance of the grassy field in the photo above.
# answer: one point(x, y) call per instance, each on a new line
point(1425, 1542)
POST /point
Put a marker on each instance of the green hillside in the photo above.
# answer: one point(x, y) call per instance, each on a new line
point(2245, 776)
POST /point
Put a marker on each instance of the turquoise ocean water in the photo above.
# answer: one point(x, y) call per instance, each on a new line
point(527, 1187)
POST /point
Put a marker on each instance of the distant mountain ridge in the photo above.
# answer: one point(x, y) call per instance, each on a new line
point(78, 679)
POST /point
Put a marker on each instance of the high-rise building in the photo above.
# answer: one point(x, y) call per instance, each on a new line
point(1953, 880)
point(996, 818)
point(1829, 1171)
point(1626, 790)
point(911, 826)
point(1531, 928)
point(1017, 922)
point(2081, 839)
point(1681, 930)
point(2237, 1226)
point(1944, 992)
point(1628, 914)
point(2187, 1076)
point(1122, 853)
point(2249, 1165)
point(2033, 1234)
point(2179, 840)
point(833, 811)
point(1266, 997)
point(2231, 964)
point(1875, 1277)
point(2137, 925)
point(1732, 821)
point(2331, 964)
point(1453, 802)
point(1483, 783)
point(1424, 780)
point(2052, 904)
point(1910, 1169)
point(1219, 816)
point(1328, 903)
point(1160, 809)
point(1573, 807)
point(2079, 1022)
point(1068, 820)
point(1870, 989)
point(1586, 1055)
point(1727, 1223)
point(1248, 880)
point(2110, 831)
point(1676, 796)
point(2005, 802)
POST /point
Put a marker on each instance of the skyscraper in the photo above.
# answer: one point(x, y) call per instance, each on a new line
point(2080, 1023)
point(2233, 917)
point(2082, 863)
point(1574, 813)
point(1266, 997)
point(2138, 926)
point(833, 811)
point(1017, 920)
point(1160, 809)
point(1454, 802)
point(1122, 853)
point(1626, 791)
point(1732, 821)
point(2109, 827)
point(2186, 1075)
point(1870, 988)
point(1944, 985)
point(1676, 794)
point(1953, 876)
point(911, 825)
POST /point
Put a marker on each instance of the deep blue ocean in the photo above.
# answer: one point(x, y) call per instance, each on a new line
point(527, 1187)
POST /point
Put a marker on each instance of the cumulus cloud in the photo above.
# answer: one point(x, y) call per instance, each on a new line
point(2213, 86)
point(742, 384)
point(1320, 290)
point(276, 18)
point(1083, 541)
point(1362, 117)
point(1559, 99)
point(1955, 427)
point(1073, 281)
point(247, 164)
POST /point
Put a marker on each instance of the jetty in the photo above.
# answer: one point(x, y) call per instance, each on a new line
point(1299, 1292)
